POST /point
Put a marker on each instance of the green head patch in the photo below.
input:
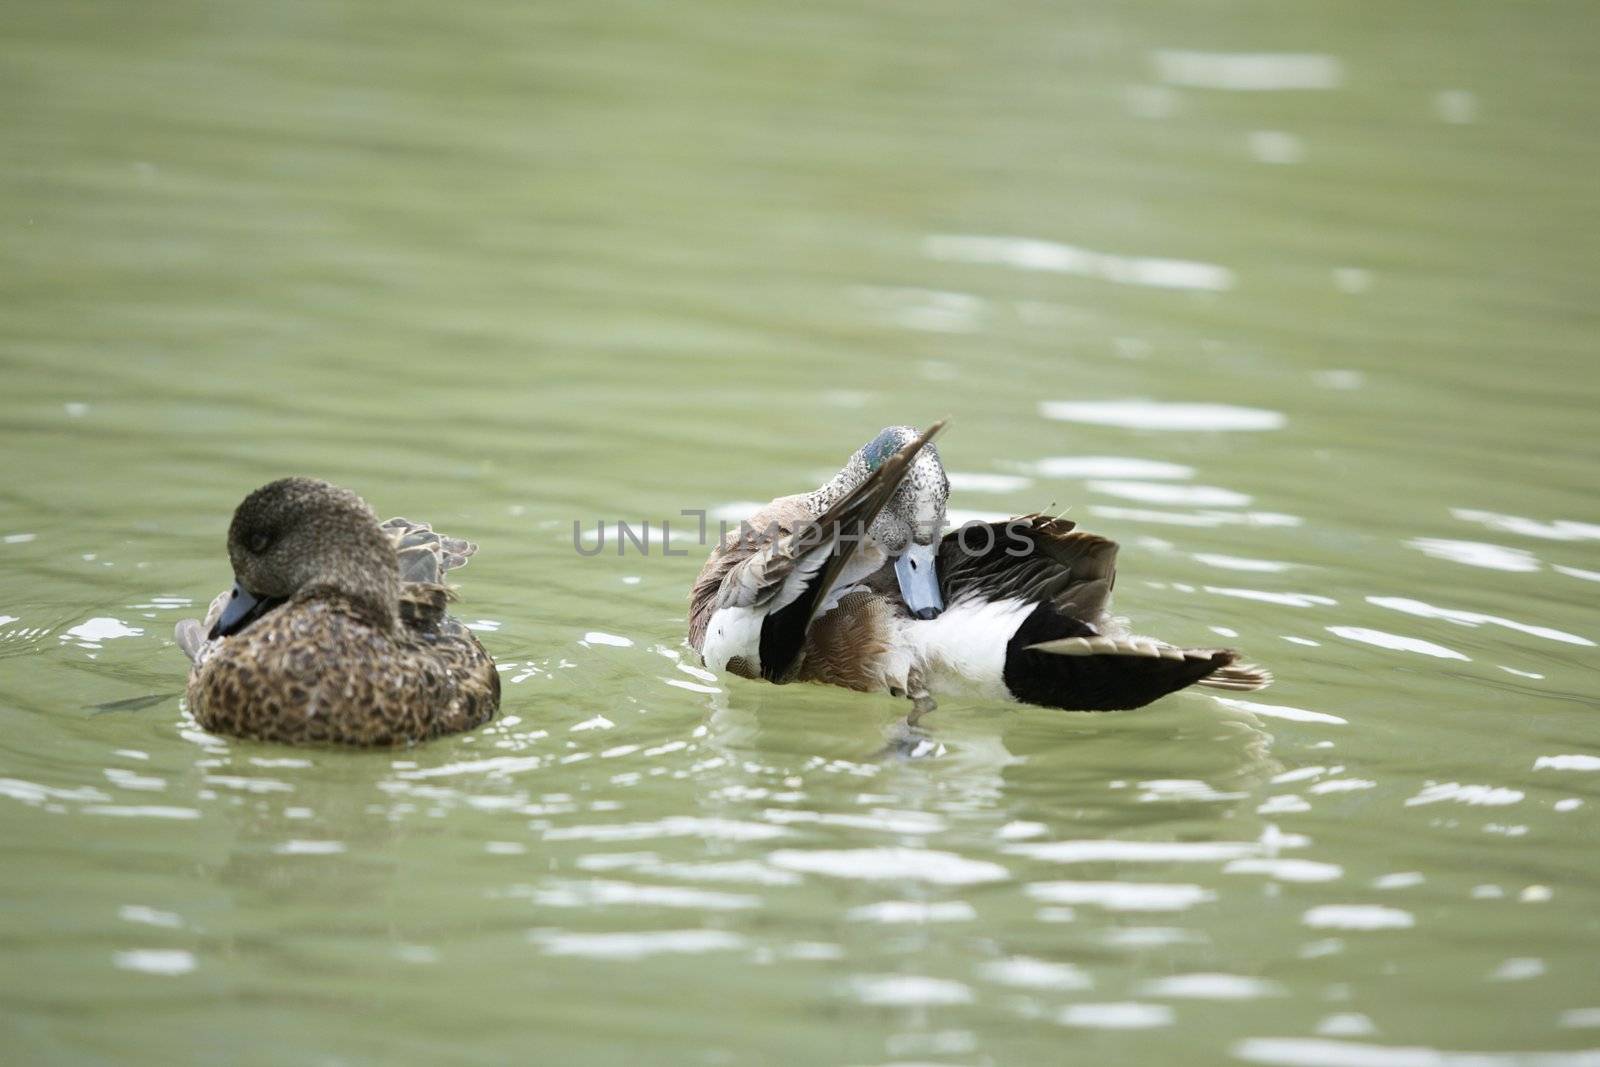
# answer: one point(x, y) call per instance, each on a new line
point(881, 447)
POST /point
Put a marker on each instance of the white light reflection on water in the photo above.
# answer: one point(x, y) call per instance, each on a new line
point(1093, 851)
point(1288, 600)
point(635, 945)
point(1576, 572)
point(1358, 917)
point(1108, 467)
point(1158, 415)
point(1200, 496)
point(1280, 711)
point(92, 632)
point(1051, 256)
point(1571, 762)
point(1287, 870)
point(893, 912)
point(673, 826)
point(1425, 610)
point(1027, 973)
point(1475, 795)
point(1249, 71)
point(904, 990)
point(1478, 554)
point(1276, 147)
point(1121, 1015)
point(168, 962)
point(987, 483)
point(1396, 642)
point(138, 913)
point(1346, 1024)
point(1318, 1052)
point(1558, 530)
point(1240, 563)
point(141, 811)
point(1123, 896)
point(596, 893)
point(1212, 987)
point(1195, 518)
point(876, 864)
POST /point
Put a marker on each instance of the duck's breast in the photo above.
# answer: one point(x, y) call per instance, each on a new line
point(963, 650)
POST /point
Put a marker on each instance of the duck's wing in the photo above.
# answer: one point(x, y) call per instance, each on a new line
point(776, 580)
point(423, 604)
point(1034, 559)
point(1067, 651)
point(425, 555)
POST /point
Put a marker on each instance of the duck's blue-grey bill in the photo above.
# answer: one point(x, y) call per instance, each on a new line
point(919, 581)
point(243, 609)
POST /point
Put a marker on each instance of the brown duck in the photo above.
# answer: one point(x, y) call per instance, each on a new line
point(335, 631)
point(852, 585)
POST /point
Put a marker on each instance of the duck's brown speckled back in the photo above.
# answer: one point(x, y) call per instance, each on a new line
point(313, 671)
point(358, 650)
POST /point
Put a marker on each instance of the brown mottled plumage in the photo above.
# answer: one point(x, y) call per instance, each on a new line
point(360, 650)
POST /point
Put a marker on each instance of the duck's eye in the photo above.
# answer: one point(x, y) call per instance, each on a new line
point(259, 541)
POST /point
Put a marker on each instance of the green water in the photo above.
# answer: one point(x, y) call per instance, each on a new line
point(509, 266)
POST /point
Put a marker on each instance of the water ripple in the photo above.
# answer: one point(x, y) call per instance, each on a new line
point(1396, 642)
point(1155, 415)
point(881, 864)
point(632, 945)
point(1358, 917)
point(1475, 618)
point(1317, 1052)
point(1123, 896)
point(1051, 256)
point(1249, 71)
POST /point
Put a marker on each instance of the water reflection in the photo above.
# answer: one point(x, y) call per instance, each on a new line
point(1153, 415)
point(1053, 257)
point(1249, 71)
point(640, 852)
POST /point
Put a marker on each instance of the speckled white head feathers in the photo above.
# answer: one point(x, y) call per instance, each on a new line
point(915, 513)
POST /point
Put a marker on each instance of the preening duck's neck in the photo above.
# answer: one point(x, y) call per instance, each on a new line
point(836, 489)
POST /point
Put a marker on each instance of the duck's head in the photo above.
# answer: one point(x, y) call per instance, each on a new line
point(910, 525)
point(302, 534)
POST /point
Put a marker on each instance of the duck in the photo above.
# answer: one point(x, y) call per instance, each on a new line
point(335, 631)
point(857, 585)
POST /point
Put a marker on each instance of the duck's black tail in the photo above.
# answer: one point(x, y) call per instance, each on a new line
point(1052, 661)
point(1069, 653)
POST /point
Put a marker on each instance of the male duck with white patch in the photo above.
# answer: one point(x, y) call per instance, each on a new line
point(335, 630)
point(851, 585)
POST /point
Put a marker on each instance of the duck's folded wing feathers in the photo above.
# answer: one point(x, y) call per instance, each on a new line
point(823, 550)
point(783, 561)
point(423, 604)
point(424, 554)
point(192, 635)
point(1033, 558)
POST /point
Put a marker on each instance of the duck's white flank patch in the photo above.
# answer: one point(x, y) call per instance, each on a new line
point(734, 632)
point(964, 649)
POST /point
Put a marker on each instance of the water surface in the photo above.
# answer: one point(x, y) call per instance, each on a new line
point(1295, 304)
